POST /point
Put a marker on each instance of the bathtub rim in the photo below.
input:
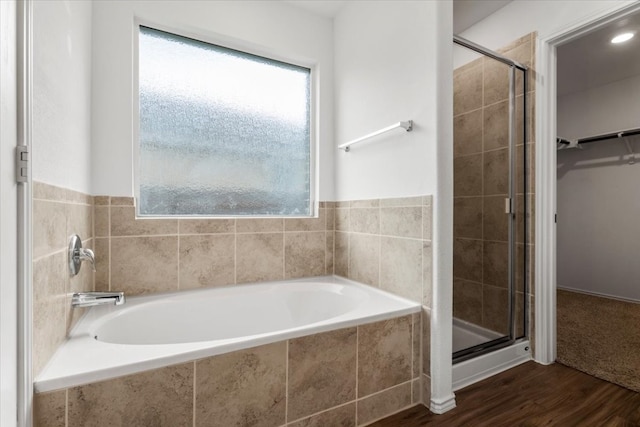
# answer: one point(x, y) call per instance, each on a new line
point(60, 373)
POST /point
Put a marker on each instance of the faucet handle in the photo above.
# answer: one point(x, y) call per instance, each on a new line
point(77, 254)
point(86, 254)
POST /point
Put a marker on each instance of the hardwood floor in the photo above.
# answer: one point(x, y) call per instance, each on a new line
point(533, 395)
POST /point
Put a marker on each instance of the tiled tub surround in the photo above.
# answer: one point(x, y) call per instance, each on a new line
point(480, 186)
point(57, 214)
point(387, 243)
point(345, 377)
point(166, 329)
point(143, 256)
point(190, 253)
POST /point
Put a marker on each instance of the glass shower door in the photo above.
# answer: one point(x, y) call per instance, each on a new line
point(488, 125)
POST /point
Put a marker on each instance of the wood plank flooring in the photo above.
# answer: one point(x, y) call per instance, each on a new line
point(533, 395)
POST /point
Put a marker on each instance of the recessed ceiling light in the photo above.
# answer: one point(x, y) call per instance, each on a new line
point(621, 38)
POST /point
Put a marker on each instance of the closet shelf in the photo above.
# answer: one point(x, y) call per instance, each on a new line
point(563, 143)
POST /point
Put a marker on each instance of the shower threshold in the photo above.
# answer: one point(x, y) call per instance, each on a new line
point(481, 367)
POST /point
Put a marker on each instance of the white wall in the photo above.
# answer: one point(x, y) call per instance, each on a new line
point(598, 193)
point(605, 109)
point(268, 27)
point(385, 72)
point(62, 93)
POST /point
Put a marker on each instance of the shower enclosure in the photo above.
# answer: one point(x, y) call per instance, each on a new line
point(490, 201)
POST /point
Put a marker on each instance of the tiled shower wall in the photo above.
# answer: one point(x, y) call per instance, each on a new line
point(57, 214)
point(481, 156)
point(346, 377)
point(387, 243)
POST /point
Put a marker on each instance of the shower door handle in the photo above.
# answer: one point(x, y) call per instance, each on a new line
point(508, 206)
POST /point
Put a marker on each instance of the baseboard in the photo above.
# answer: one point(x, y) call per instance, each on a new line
point(440, 406)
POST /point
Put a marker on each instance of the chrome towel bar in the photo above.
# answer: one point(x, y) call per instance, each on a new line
point(408, 126)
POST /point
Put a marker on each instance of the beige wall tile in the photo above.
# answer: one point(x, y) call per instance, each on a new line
point(307, 224)
point(401, 222)
point(79, 220)
point(304, 254)
point(365, 220)
point(331, 218)
point(101, 200)
point(495, 309)
point(49, 409)
point(73, 196)
point(467, 175)
point(427, 273)
point(329, 253)
point(383, 404)
point(467, 90)
point(416, 391)
point(426, 389)
point(467, 133)
point(401, 267)
point(206, 226)
point(495, 222)
point(44, 191)
point(467, 301)
point(259, 225)
point(259, 257)
point(343, 204)
point(368, 203)
point(207, 260)
point(416, 332)
point(162, 397)
point(496, 172)
point(342, 219)
point(467, 217)
point(50, 278)
point(496, 264)
point(101, 221)
point(426, 342)
point(341, 255)
point(142, 265)
point(401, 201)
point(342, 416)
point(364, 258)
point(243, 388)
point(125, 223)
point(322, 372)
point(427, 218)
point(384, 355)
point(49, 227)
point(122, 201)
point(496, 81)
point(496, 126)
point(101, 252)
point(467, 259)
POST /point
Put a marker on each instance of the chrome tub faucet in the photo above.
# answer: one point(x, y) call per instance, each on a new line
point(88, 299)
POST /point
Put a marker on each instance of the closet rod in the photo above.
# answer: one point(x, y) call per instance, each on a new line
point(602, 137)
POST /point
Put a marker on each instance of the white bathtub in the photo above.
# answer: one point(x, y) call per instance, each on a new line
point(155, 331)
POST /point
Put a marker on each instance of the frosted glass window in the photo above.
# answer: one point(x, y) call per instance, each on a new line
point(222, 132)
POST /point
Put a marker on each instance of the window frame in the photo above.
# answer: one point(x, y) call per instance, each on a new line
point(245, 47)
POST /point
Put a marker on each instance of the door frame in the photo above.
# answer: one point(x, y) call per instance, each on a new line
point(545, 203)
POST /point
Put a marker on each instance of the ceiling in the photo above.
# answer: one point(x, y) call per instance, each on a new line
point(592, 60)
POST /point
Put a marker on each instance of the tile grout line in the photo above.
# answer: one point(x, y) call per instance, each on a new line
point(109, 246)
